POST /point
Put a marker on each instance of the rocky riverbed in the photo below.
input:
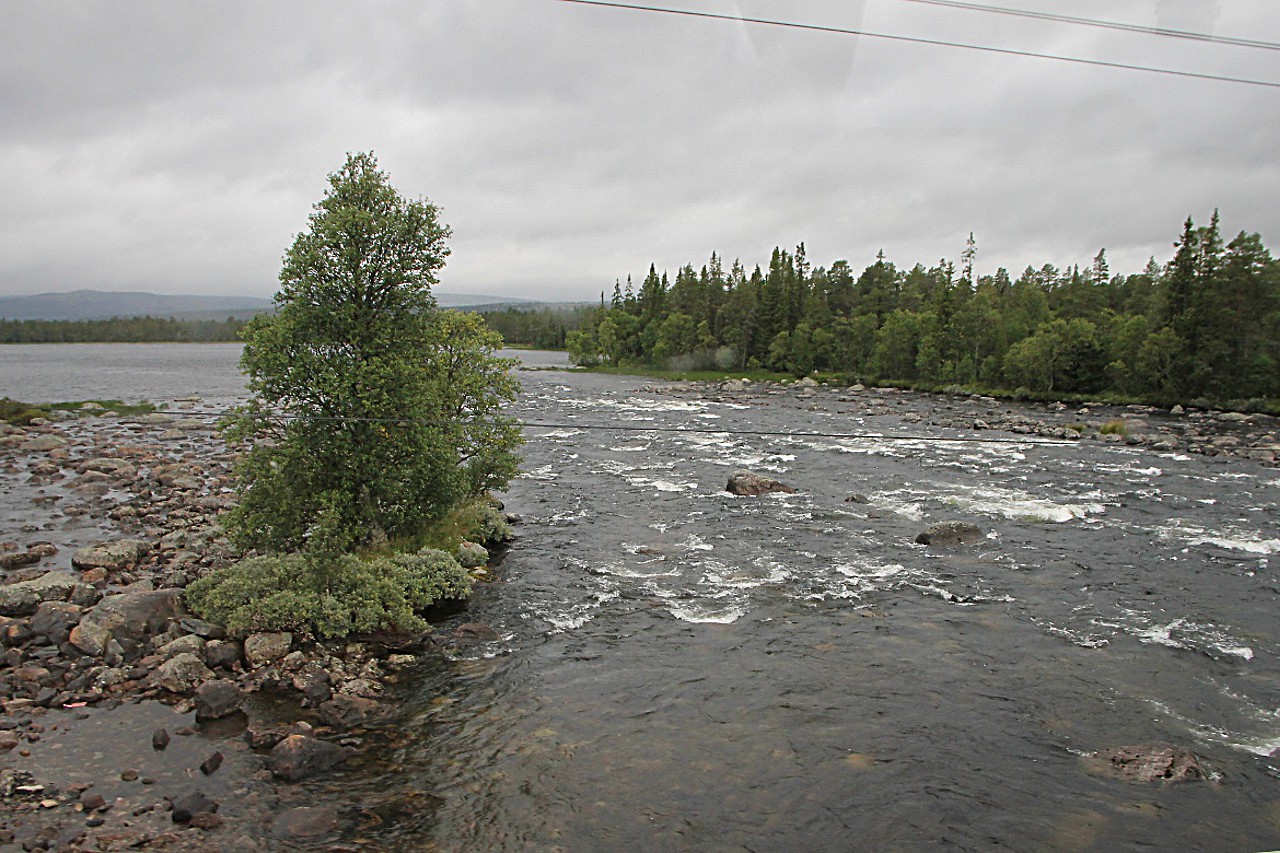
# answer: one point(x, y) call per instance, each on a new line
point(127, 723)
point(1200, 431)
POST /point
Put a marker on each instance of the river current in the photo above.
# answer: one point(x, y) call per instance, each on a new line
point(680, 668)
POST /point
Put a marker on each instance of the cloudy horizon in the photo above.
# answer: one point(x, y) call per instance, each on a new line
point(179, 148)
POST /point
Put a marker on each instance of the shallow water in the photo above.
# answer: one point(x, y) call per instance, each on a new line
point(679, 668)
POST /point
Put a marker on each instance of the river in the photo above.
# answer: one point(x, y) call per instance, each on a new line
point(679, 668)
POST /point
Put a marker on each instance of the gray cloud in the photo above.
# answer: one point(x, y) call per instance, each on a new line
point(179, 148)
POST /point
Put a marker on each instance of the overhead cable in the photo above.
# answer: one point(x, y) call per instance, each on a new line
point(849, 31)
point(1110, 25)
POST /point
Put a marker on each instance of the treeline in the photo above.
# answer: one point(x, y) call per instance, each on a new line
point(546, 328)
point(1206, 325)
point(119, 330)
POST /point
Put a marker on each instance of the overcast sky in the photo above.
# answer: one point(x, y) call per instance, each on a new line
point(178, 147)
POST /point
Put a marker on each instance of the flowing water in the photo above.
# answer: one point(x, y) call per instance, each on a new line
point(680, 668)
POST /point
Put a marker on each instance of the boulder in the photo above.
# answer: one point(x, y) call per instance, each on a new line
point(306, 822)
point(221, 654)
point(217, 699)
point(181, 673)
point(43, 443)
point(21, 599)
point(187, 806)
point(188, 643)
point(950, 534)
point(264, 648)
point(344, 711)
point(112, 556)
point(749, 483)
point(471, 555)
point(131, 616)
point(1148, 763)
point(300, 757)
point(54, 620)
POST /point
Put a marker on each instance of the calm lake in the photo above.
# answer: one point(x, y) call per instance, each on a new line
point(677, 668)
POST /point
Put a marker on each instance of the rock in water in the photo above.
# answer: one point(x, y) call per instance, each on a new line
point(1148, 763)
point(300, 757)
point(950, 534)
point(217, 699)
point(187, 806)
point(749, 483)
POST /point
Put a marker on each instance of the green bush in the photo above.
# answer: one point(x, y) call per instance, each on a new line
point(328, 596)
point(19, 414)
point(1115, 427)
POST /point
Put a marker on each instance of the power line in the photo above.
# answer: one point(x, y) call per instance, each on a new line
point(1110, 25)
point(1006, 51)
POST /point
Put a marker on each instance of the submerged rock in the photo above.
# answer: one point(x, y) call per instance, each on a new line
point(217, 699)
point(950, 534)
point(301, 757)
point(750, 483)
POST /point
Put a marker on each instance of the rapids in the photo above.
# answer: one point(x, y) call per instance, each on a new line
point(680, 668)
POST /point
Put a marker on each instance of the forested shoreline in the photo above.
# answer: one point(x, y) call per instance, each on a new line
point(120, 330)
point(1203, 327)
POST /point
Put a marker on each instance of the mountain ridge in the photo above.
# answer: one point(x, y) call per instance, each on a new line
point(88, 304)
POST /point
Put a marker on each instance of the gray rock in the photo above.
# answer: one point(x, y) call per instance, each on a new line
point(344, 712)
point(201, 628)
point(222, 654)
point(264, 648)
point(187, 644)
point(112, 556)
point(54, 620)
point(306, 822)
point(181, 673)
point(43, 443)
point(193, 803)
point(21, 599)
point(131, 616)
point(471, 555)
point(300, 757)
point(217, 699)
point(950, 534)
point(749, 483)
point(1148, 763)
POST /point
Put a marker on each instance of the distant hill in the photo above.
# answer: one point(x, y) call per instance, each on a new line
point(103, 305)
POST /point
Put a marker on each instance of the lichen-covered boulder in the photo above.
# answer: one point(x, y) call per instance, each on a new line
point(950, 534)
point(112, 556)
point(751, 484)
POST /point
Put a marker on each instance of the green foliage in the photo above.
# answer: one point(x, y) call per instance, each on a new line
point(119, 330)
point(371, 413)
point(19, 414)
point(328, 595)
point(1204, 327)
point(1115, 427)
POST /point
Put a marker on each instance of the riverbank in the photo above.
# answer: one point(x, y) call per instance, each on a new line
point(127, 722)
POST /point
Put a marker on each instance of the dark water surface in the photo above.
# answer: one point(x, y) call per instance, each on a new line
point(679, 668)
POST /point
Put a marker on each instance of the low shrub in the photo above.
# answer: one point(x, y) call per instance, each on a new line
point(1115, 427)
point(19, 414)
point(328, 596)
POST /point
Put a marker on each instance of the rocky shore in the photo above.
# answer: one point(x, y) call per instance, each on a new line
point(127, 722)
